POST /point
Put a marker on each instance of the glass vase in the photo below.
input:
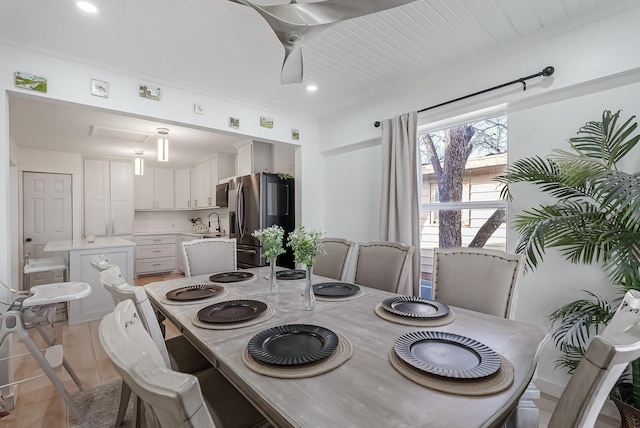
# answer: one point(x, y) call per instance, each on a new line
point(273, 284)
point(309, 299)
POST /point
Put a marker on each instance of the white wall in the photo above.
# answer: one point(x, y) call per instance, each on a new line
point(595, 70)
point(69, 81)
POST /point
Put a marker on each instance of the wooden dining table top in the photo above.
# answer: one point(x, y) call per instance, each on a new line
point(365, 391)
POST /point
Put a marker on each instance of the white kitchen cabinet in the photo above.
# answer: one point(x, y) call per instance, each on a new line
point(206, 175)
point(108, 197)
point(200, 185)
point(99, 303)
point(155, 254)
point(253, 156)
point(182, 188)
point(154, 190)
point(221, 166)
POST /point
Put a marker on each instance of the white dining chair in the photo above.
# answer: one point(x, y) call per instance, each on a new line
point(384, 265)
point(177, 352)
point(607, 355)
point(171, 399)
point(209, 255)
point(335, 263)
point(479, 279)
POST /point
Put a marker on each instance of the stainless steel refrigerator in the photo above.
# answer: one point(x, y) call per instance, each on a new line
point(257, 201)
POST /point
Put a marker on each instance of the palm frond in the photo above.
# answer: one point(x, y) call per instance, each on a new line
point(617, 192)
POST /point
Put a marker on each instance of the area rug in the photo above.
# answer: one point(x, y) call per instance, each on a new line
point(100, 405)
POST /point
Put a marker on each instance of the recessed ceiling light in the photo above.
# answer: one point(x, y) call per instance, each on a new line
point(87, 7)
point(312, 88)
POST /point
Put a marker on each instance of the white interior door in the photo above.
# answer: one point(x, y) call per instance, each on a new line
point(47, 216)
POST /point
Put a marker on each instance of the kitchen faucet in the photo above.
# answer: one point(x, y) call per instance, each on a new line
point(217, 215)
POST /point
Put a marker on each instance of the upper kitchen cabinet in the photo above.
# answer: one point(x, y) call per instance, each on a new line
point(182, 188)
point(206, 175)
point(221, 166)
point(108, 197)
point(154, 190)
point(200, 185)
point(253, 156)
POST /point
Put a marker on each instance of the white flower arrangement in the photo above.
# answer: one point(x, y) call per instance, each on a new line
point(272, 240)
point(306, 245)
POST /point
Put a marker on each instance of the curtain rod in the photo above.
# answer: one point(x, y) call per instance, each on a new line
point(548, 71)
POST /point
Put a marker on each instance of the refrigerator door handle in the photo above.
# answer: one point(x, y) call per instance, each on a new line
point(287, 186)
point(240, 210)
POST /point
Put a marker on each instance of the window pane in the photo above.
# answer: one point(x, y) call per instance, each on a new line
point(459, 165)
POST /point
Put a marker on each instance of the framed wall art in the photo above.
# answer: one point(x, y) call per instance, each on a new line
point(266, 122)
point(151, 92)
point(99, 88)
point(30, 81)
point(234, 122)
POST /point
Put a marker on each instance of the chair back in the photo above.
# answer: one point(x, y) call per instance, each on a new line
point(383, 264)
point(120, 291)
point(334, 264)
point(209, 255)
point(478, 279)
point(171, 399)
point(606, 358)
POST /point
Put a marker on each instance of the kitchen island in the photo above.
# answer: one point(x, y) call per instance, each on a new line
point(118, 251)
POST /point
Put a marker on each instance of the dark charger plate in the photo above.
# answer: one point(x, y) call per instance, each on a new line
point(291, 274)
point(232, 311)
point(194, 292)
point(447, 354)
point(415, 307)
point(235, 276)
point(335, 289)
point(293, 344)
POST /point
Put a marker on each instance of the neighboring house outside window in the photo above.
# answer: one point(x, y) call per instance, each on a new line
point(460, 200)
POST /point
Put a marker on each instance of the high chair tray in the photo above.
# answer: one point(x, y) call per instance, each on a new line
point(47, 294)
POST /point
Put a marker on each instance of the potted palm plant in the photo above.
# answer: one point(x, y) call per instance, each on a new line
point(594, 218)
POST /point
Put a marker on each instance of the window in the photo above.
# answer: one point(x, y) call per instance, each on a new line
point(460, 200)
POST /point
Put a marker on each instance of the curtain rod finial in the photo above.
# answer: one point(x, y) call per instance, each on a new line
point(548, 71)
point(376, 124)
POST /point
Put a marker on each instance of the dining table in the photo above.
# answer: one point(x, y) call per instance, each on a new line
point(365, 384)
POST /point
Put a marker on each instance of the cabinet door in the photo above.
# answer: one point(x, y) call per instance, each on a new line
point(182, 188)
point(200, 186)
point(96, 197)
point(244, 159)
point(143, 190)
point(214, 178)
point(121, 198)
point(163, 188)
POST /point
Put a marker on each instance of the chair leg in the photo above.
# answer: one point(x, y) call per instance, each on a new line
point(51, 341)
point(35, 351)
point(125, 394)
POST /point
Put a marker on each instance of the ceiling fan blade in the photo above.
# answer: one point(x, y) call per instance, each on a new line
point(297, 23)
point(292, 66)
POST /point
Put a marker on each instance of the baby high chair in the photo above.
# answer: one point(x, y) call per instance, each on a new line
point(36, 308)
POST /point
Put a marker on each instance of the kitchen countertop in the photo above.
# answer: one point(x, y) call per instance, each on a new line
point(83, 244)
point(183, 232)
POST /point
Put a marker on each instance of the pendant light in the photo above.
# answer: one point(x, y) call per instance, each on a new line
point(163, 145)
point(139, 163)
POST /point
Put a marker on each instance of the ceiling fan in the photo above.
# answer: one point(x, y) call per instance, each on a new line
point(296, 23)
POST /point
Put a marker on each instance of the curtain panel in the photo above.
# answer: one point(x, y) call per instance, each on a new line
point(399, 206)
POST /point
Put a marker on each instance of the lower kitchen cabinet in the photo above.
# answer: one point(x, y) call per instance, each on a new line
point(155, 254)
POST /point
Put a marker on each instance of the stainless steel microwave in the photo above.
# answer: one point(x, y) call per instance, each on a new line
point(222, 195)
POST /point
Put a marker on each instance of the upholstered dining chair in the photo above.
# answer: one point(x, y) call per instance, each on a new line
point(209, 255)
point(335, 263)
point(384, 265)
point(604, 361)
point(171, 399)
point(478, 279)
